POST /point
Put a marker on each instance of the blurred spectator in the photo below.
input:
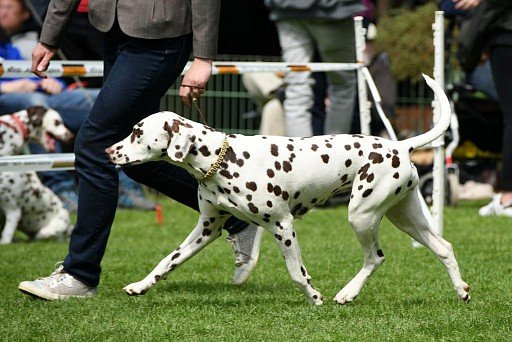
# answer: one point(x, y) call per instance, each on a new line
point(488, 26)
point(265, 88)
point(480, 77)
point(306, 25)
point(83, 42)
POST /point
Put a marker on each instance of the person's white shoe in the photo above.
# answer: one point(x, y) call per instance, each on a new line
point(246, 245)
point(496, 208)
point(59, 285)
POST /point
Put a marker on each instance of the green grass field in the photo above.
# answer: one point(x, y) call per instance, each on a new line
point(409, 298)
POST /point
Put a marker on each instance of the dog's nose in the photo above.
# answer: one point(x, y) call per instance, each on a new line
point(109, 150)
point(69, 136)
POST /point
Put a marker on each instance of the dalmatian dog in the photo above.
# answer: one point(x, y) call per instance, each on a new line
point(269, 181)
point(25, 202)
point(37, 123)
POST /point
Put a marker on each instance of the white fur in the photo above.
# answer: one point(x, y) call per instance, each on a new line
point(269, 181)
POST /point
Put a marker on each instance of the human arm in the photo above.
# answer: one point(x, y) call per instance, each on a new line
point(59, 15)
point(23, 85)
point(205, 31)
point(52, 86)
point(466, 4)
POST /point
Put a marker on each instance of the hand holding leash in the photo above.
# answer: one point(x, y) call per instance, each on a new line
point(194, 81)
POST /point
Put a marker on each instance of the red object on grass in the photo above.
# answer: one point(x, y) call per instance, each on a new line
point(159, 214)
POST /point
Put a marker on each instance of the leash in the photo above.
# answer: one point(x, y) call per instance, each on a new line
point(225, 143)
point(194, 100)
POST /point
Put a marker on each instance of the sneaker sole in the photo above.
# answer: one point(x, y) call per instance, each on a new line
point(36, 293)
point(241, 280)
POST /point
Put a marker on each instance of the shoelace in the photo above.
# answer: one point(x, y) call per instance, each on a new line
point(57, 277)
point(241, 257)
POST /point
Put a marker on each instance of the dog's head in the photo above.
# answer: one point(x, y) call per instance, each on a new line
point(161, 136)
point(46, 126)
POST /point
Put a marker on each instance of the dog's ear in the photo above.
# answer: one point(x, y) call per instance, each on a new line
point(35, 115)
point(179, 142)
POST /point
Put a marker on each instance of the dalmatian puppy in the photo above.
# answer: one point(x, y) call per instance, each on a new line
point(269, 181)
point(37, 123)
point(25, 202)
point(31, 207)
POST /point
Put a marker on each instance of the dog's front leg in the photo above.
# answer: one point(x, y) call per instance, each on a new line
point(12, 217)
point(208, 228)
point(287, 240)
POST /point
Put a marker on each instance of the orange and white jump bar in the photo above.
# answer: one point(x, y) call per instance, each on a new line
point(18, 69)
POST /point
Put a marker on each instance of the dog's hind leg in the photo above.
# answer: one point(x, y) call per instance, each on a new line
point(208, 229)
point(408, 216)
point(287, 241)
point(12, 217)
point(366, 226)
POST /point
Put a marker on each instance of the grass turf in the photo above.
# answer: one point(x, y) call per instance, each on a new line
point(410, 297)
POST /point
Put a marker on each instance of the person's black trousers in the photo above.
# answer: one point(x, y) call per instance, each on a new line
point(137, 73)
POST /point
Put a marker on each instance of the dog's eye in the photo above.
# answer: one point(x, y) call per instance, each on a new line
point(57, 123)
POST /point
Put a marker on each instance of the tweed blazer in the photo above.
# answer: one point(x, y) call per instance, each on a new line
point(149, 19)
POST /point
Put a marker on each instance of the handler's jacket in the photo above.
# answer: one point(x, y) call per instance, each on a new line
point(149, 19)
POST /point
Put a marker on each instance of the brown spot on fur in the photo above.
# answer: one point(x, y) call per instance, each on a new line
point(375, 157)
point(367, 192)
point(287, 167)
point(253, 208)
point(204, 151)
point(251, 186)
point(274, 150)
point(395, 161)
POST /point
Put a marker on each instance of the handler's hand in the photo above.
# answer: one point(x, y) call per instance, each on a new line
point(41, 57)
point(194, 81)
point(466, 4)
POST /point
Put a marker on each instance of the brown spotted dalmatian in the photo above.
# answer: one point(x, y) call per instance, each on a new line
point(25, 202)
point(269, 181)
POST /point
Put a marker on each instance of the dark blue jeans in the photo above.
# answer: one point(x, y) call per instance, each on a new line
point(137, 73)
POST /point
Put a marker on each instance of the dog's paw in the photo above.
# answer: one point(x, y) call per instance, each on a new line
point(316, 300)
point(345, 297)
point(463, 293)
point(136, 289)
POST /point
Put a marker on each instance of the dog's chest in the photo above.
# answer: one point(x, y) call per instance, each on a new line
point(24, 190)
point(10, 141)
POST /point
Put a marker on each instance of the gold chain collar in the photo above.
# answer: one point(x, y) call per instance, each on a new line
point(215, 166)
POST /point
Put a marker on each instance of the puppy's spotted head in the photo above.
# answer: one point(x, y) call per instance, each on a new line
point(46, 126)
point(161, 136)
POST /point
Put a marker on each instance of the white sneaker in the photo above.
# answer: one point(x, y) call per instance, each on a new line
point(59, 285)
point(246, 245)
point(496, 208)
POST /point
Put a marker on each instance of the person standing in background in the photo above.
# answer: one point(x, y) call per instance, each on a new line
point(327, 26)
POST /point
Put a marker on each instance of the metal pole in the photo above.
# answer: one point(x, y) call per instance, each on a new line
point(364, 104)
point(438, 171)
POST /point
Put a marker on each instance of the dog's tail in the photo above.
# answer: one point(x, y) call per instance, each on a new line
point(443, 123)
